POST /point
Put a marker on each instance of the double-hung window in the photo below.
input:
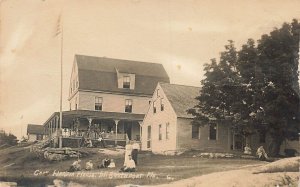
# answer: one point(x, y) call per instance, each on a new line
point(195, 132)
point(128, 105)
point(126, 82)
point(159, 132)
point(98, 103)
point(167, 130)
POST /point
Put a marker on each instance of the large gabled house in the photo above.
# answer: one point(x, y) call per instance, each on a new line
point(167, 126)
point(107, 95)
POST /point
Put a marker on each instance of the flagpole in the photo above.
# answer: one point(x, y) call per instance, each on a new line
point(61, 83)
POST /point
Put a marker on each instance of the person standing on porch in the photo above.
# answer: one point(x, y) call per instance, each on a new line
point(134, 153)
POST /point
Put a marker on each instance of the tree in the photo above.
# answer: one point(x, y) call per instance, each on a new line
point(255, 88)
point(8, 139)
point(222, 94)
point(278, 60)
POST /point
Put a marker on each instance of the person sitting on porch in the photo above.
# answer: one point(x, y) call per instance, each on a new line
point(82, 141)
point(89, 165)
point(75, 166)
point(247, 150)
point(112, 164)
point(261, 153)
point(129, 167)
point(89, 143)
point(100, 140)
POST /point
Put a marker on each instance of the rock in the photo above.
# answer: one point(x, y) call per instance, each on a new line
point(56, 157)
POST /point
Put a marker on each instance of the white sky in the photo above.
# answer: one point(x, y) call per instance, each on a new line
point(180, 34)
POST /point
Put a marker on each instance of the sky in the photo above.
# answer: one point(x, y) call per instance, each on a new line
point(180, 34)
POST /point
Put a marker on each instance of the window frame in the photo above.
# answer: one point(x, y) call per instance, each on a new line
point(154, 108)
point(160, 132)
point(98, 104)
point(195, 132)
point(215, 137)
point(149, 136)
point(167, 131)
point(126, 82)
point(162, 106)
point(128, 105)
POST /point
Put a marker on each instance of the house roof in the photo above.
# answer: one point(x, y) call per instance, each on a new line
point(35, 129)
point(100, 74)
point(181, 97)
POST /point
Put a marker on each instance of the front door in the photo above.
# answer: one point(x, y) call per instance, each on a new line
point(149, 137)
point(128, 129)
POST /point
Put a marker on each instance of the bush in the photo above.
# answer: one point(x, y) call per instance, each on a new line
point(290, 152)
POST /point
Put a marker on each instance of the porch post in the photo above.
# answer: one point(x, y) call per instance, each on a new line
point(56, 130)
point(116, 139)
point(50, 129)
point(89, 128)
point(140, 123)
point(233, 141)
point(229, 139)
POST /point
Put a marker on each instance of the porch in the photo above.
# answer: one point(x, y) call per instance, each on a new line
point(110, 127)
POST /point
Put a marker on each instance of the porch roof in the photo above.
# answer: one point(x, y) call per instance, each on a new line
point(103, 115)
point(69, 116)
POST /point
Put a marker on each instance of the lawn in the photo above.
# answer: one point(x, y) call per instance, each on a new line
point(19, 165)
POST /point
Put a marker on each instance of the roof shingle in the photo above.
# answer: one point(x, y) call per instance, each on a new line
point(100, 74)
point(35, 129)
point(181, 97)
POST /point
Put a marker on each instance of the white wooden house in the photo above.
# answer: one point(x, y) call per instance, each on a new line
point(167, 126)
point(107, 95)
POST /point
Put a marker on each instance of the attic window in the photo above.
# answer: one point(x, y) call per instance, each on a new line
point(162, 106)
point(126, 82)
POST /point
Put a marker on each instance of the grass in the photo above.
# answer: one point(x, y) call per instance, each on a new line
point(154, 169)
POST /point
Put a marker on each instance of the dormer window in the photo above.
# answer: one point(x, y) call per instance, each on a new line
point(126, 82)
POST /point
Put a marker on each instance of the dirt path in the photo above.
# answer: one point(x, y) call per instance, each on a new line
point(238, 178)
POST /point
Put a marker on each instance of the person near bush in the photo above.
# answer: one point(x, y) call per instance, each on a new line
point(247, 150)
point(261, 153)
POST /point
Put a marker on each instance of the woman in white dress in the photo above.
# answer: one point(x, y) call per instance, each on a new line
point(128, 150)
